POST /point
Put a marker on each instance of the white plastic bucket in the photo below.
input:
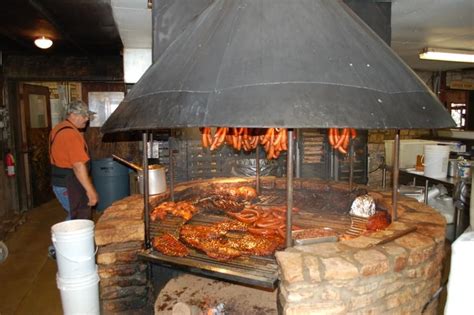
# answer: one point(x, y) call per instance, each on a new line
point(436, 160)
point(75, 250)
point(80, 295)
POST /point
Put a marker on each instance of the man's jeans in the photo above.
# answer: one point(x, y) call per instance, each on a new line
point(61, 195)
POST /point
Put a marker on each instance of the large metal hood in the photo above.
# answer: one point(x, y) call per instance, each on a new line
point(278, 63)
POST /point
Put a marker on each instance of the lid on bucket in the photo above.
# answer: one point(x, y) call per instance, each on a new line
point(437, 147)
point(72, 226)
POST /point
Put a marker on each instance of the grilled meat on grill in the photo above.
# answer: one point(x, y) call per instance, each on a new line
point(216, 243)
point(227, 205)
point(183, 209)
point(209, 240)
point(161, 211)
point(224, 227)
point(230, 199)
point(169, 245)
point(379, 221)
point(194, 234)
point(218, 249)
point(247, 193)
point(251, 244)
point(225, 199)
point(242, 193)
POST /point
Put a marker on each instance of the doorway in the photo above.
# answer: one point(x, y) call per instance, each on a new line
point(457, 103)
point(36, 121)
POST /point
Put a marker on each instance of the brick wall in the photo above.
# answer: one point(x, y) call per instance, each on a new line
point(376, 149)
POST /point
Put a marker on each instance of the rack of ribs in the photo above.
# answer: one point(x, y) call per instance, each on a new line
point(169, 245)
point(214, 242)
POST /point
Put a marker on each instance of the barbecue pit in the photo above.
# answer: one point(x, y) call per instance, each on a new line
point(354, 274)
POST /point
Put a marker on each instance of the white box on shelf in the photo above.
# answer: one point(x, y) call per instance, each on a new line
point(454, 146)
point(409, 149)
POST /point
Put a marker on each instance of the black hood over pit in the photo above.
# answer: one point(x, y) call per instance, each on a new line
point(278, 63)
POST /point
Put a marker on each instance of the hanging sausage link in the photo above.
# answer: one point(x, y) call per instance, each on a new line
point(340, 141)
point(273, 140)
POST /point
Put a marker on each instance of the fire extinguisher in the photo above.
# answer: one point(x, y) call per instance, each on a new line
point(10, 164)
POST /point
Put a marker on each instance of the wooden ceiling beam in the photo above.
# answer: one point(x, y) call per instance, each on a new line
point(60, 28)
point(11, 35)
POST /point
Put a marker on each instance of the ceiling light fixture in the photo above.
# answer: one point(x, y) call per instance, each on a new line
point(43, 42)
point(447, 54)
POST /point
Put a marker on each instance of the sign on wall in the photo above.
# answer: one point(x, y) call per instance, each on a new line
point(461, 85)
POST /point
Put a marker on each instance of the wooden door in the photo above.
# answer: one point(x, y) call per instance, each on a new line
point(37, 125)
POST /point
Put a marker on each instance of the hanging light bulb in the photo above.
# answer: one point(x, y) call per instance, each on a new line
point(43, 42)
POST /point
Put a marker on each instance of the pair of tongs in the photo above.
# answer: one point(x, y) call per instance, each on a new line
point(132, 165)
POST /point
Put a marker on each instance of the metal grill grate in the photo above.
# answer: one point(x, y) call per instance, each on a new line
point(253, 270)
point(315, 212)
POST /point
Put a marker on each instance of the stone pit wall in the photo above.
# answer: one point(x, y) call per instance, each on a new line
point(348, 277)
point(358, 277)
point(120, 234)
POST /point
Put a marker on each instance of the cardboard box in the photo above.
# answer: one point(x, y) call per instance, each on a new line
point(455, 146)
point(409, 149)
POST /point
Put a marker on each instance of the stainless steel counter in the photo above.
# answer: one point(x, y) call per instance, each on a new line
point(419, 174)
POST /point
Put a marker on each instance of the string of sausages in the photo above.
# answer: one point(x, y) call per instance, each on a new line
point(340, 140)
point(266, 221)
point(273, 140)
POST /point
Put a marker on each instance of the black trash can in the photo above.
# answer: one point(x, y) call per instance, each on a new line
point(110, 179)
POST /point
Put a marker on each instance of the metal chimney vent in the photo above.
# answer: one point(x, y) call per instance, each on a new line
point(278, 63)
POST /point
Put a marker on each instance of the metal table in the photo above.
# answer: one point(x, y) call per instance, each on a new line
point(451, 183)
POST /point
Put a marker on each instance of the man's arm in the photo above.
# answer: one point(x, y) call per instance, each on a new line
point(81, 172)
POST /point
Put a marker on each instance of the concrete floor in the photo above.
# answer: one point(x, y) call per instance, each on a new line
point(28, 276)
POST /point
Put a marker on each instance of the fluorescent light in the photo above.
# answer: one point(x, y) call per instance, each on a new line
point(43, 42)
point(447, 54)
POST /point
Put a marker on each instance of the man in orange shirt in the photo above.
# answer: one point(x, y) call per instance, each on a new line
point(69, 160)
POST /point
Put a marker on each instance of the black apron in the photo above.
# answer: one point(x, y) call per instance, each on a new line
point(77, 199)
point(65, 177)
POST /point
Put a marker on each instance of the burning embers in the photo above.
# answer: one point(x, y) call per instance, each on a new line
point(243, 224)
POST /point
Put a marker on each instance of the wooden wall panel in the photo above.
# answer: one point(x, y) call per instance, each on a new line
point(64, 68)
point(457, 97)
